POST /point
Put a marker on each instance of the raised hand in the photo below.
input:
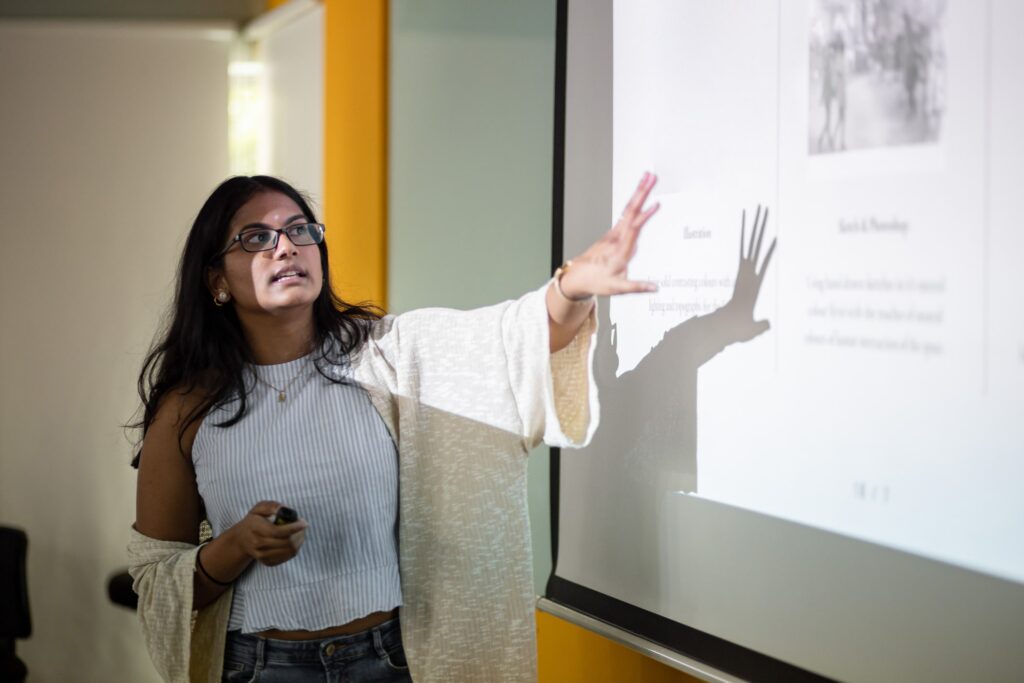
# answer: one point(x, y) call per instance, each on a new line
point(602, 268)
point(740, 308)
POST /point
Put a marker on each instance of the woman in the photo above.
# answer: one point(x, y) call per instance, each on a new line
point(269, 391)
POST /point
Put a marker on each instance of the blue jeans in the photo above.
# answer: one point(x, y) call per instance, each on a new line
point(373, 655)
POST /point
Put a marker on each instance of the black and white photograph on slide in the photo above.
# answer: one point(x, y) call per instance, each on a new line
point(877, 74)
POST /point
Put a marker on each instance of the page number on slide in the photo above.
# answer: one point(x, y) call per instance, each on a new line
point(870, 492)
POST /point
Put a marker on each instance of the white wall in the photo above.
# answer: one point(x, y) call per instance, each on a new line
point(111, 136)
point(471, 127)
point(293, 55)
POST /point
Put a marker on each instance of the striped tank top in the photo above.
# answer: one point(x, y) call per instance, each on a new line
point(324, 451)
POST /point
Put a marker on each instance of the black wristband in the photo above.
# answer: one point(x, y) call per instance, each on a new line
point(199, 564)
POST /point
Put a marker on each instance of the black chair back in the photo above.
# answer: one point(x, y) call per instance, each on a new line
point(120, 591)
point(15, 619)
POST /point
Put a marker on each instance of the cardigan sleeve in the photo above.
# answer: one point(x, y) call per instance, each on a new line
point(555, 392)
point(184, 645)
point(491, 365)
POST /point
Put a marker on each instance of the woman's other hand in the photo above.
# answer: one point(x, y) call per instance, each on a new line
point(265, 542)
point(253, 538)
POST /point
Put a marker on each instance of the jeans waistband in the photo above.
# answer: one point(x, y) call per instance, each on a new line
point(301, 651)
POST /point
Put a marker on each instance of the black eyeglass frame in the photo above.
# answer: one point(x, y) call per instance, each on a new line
point(286, 230)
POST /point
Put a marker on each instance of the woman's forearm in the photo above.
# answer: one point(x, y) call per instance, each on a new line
point(565, 316)
point(222, 561)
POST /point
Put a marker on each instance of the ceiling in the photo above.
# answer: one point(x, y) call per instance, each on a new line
point(238, 11)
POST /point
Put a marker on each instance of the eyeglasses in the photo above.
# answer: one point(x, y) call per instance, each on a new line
point(265, 239)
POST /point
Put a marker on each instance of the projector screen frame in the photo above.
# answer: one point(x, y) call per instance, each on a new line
point(994, 603)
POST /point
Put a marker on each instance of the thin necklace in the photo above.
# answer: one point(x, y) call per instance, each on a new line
point(282, 393)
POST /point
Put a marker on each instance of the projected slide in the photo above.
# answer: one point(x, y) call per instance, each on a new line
point(858, 367)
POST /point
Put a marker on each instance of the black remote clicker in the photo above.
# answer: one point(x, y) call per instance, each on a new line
point(285, 515)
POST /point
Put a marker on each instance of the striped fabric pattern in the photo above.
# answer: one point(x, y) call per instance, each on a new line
point(325, 452)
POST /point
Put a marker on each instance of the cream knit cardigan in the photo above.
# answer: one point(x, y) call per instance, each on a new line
point(465, 395)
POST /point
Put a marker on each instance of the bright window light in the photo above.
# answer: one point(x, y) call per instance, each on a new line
point(248, 118)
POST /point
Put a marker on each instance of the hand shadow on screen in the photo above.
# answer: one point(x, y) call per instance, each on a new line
point(649, 414)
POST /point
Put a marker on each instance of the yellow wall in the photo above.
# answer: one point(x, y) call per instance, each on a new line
point(355, 146)
point(567, 653)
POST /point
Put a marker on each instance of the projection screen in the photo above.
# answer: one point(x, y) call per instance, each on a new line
point(812, 438)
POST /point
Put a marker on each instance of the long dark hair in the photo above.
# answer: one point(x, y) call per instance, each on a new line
point(202, 346)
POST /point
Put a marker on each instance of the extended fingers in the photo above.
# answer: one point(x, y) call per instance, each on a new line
point(752, 250)
point(651, 210)
point(624, 286)
point(632, 234)
point(748, 249)
point(760, 235)
point(743, 232)
point(767, 258)
point(639, 198)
